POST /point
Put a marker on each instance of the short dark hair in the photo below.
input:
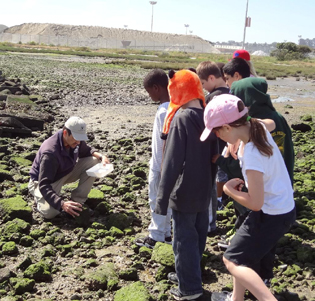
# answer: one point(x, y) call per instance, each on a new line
point(156, 77)
point(237, 65)
point(207, 68)
point(68, 131)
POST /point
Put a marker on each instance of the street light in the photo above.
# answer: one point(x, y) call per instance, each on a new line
point(126, 26)
point(152, 3)
point(186, 25)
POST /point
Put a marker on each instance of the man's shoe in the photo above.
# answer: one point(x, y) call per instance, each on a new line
point(177, 295)
point(168, 240)
point(145, 242)
point(224, 296)
point(172, 277)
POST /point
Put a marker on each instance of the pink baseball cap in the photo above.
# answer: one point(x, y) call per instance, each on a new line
point(221, 110)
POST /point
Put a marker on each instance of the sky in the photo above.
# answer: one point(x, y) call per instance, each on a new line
point(212, 20)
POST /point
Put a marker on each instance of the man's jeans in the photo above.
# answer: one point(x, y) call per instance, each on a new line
point(79, 194)
point(190, 235)
point(160, 226)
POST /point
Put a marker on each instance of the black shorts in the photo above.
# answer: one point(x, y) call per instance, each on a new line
point(258, 234)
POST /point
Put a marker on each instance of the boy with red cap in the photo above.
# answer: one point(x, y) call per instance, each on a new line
point(186, 180)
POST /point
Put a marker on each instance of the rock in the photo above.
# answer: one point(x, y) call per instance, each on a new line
point(22, 285)
point(301, 127)
point(40, 272)
point(119, 220)
point(5, 274)
point(133, 292)
point(16, 226)
point(9, 248)
point(163, 254)
point(129, 274)
point(103, 278)
point(15, 207)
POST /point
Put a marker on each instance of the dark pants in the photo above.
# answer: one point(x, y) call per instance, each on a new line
point(190, 235)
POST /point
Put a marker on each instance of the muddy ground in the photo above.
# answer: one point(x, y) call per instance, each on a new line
point(111, 100)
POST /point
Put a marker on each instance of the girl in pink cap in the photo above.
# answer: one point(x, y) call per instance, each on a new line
point(269, 196)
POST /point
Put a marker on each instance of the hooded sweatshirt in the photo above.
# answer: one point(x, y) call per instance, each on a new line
point(253, 91)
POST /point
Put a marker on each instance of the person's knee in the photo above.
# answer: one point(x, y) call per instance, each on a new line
point(229, 264)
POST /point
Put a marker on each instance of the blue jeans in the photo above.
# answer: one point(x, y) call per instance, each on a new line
point(190, 235)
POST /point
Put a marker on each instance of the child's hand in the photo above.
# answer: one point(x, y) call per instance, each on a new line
point(233, 148)
point(233, 184)
point(215, 158)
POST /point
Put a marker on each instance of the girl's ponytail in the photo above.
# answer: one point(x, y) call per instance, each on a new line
point(257, 132)
point(259, 138)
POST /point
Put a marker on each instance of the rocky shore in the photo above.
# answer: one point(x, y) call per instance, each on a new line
point(94, 257)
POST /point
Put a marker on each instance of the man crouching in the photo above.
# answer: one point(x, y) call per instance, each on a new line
point(63, 158)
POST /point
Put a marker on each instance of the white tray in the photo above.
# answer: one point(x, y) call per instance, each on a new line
point(100, 171)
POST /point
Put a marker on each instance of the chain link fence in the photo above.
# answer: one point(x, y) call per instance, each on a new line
point(97, 43)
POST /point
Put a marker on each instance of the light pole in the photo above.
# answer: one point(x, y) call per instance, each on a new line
point(245, 25)
point(186, 25)
point(152, 3)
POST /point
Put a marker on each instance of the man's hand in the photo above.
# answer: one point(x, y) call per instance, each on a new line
point(105, 160)
point(73, 208)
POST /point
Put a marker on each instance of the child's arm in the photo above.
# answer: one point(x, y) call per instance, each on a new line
point(254, 198)
point(269, 124)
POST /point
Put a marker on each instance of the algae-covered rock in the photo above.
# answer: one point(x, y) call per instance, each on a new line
point(145, 252)
point(22, 285)
point(103, 208)
point(14, 227)
point(15, 208)
point(103, 278)
point(26, 241)
point(5, 175)
point(9, 248)
point(163, 254)
point(133, 292)
point(115, 232)
point(306, 118)
point(40, 272)
point(119, 220)
point(95, 197)
point(83, 219)
point(21, 161)
point(129, 274)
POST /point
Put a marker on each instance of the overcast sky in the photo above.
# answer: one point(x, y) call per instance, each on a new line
point(220, 20)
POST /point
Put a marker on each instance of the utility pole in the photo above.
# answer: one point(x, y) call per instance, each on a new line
point(152, 3)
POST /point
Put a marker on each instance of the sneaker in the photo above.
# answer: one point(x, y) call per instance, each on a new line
point(145, 242)
point(224, 296)
point(168, 240)
point(177, 295)
point(220, 206)
point(223, 244)
point(172, 277)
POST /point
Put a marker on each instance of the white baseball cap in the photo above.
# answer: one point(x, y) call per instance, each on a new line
point(77, 126)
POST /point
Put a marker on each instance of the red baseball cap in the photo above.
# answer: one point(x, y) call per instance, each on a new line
point(242, 53)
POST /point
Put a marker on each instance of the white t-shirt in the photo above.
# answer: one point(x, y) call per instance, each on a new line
point(157, 142)
point(278, 192)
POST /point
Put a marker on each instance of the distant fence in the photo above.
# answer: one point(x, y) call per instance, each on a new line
point(96, 43)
